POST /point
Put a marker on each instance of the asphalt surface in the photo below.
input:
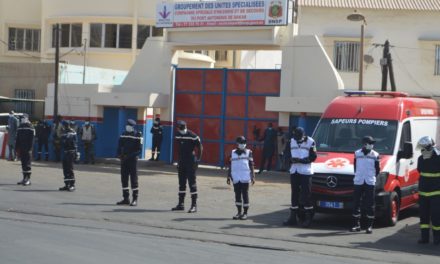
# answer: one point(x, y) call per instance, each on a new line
point(92, 207)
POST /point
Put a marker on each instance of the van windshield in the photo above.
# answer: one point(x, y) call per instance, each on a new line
point(345, 135)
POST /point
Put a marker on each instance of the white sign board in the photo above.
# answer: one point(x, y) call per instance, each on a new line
point(222, 13)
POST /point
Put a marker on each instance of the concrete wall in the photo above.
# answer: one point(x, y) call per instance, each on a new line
point(414, 35)
point(33, 76)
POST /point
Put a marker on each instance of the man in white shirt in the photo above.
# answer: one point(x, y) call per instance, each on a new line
point(366, 168)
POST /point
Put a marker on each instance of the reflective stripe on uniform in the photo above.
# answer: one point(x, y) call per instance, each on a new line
point(294, 207)
point(424, 226)
point(308, 207)
point(237, 203)
point(436, 228)
point(429, 174)
point(429, 194)
point(370, 216)
point(192, 138)
point(133, 137)
point(245, 205)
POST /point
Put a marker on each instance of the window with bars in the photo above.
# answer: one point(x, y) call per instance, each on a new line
point(111, 36)
point(346, 56)
point(24, 39)
point(24, 107)
point(437, 60)
point(221, 55)
point(70, 35)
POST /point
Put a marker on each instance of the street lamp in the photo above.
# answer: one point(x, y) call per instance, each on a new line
point(359, 17)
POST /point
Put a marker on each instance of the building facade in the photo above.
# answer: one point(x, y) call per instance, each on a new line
point(410, 26)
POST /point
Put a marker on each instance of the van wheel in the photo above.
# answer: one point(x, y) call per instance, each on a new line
point(392, 214)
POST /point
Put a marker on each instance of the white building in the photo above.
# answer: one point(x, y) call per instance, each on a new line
point(411, 26)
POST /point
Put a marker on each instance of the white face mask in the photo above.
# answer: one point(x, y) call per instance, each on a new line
point(369, 146)
point(183, 131)
point(241, 146)
point(129, 128)
point(156, 123)
point(11, 115)
point(426, 154)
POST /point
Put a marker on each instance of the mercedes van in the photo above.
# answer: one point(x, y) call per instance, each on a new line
point(397, 121)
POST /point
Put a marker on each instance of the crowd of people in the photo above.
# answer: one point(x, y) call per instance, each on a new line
point(295, 151)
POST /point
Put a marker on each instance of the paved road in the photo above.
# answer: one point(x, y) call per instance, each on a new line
point(32, 242)
point(98, 188)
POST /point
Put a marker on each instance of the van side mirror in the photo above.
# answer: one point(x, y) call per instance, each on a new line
point(407, 151)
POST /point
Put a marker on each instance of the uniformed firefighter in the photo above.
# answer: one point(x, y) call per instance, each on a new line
point(302, 154)
point(42, 134)
point(188, 160)
point(429, 190)
point(57, 132)
point(241, 173)
point(23, 144)
point(366, 169)
point(129, 148)
point(88, 137)
point(69, 145)
point(157, 133)
point(269, 145)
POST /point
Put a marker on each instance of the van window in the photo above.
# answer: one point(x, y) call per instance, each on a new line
point(406, 134)
point(345, 135)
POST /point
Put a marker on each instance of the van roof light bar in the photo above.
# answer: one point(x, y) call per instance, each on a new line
point(379, 93)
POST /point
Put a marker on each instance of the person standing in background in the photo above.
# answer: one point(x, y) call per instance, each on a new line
point(12, 134)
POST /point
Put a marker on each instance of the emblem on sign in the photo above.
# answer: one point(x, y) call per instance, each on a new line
point(337, 163)
point(275, 9)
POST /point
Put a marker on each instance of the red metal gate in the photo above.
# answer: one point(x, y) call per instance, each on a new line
point(221, 104)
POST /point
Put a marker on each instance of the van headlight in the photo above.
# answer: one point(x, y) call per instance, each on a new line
point(381, 180)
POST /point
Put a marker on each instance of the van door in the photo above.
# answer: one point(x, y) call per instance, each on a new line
point(406, 170)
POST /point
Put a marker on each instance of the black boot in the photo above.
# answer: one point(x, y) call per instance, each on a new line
point(308, 215)
point(245, 211)
point(152, 157)
point(370, 222)
point(64, 188)
point(180, 205)
point(356, 225)
point(125, 200)
point(193, 208)
point(157, 157)
point(291, 221)
point(27, 180)
point(238, 215)
point(21, 182)
point(424, 239)
point(135, 198)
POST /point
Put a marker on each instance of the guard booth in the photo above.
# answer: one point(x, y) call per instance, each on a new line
point(221, 104)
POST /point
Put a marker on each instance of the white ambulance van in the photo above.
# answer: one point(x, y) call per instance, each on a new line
point(396, 121)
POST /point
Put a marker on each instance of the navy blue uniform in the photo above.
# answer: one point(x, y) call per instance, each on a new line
point(70, 147)
point(269, 146)
point(23, 143)
point(429, 193)
point(129, 148)
point(187, 164)
point(157, 132)
point(42, 133)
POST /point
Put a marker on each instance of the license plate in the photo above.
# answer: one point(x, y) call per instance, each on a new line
point(334, 205)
